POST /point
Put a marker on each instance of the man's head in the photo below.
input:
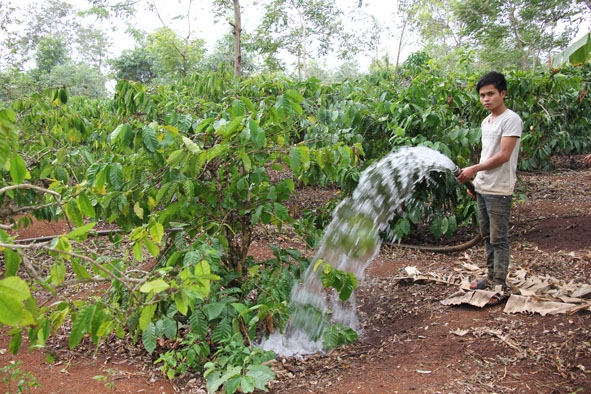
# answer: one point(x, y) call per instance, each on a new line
point(492, 89)
point(492, 78)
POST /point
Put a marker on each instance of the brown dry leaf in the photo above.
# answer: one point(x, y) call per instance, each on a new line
point(519, 304)
point(477, 298)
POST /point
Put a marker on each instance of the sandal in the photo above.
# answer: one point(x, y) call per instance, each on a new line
point(497, 299)
point(480, 284)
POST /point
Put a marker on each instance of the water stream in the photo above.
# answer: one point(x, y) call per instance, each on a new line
point(350, 243)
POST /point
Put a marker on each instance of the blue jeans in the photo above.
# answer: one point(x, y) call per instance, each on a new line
point(493, 217)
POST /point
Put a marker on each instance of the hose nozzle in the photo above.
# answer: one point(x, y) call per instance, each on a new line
point(456, 172)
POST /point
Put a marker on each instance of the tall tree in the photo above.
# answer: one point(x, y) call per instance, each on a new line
point(50, 44)
point(86, 41)
point(533, 29)
point(81, 80)
point(233, 13)
point(300, 27)
point(135, 65)
point(174, 57)
point(439, 29)
point(237, 33)
point(406, 11)
point(8, 35)
point(51, 52)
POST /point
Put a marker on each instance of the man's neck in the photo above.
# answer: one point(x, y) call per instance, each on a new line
point(498, 111)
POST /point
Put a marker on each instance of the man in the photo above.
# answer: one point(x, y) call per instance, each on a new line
point(495, 179)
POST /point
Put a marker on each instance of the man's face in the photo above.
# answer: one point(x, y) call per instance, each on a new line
point(491, 98)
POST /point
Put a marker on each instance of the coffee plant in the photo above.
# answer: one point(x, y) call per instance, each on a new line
point(180, 176)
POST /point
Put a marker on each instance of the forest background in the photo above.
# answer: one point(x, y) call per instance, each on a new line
point(182, 152)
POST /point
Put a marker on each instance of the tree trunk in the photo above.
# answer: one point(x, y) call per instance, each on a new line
point(518, 40)
point(401, 42)
point(237, 33)
point(303, 53)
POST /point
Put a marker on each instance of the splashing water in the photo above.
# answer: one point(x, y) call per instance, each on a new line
point(350, 242)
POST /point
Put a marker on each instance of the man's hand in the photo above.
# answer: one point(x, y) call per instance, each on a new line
point(466, 174)
point(464, 177)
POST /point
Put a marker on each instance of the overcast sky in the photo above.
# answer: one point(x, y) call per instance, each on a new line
point(204, 25)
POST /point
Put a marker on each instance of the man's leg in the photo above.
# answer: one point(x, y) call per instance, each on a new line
point(498, 209)
point(484, 224)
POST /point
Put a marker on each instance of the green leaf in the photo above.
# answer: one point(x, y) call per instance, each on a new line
point(294, 95)
point(283, 107)
point(177, 157)
point(577, 53)
point(444, 225)
point(193, 147)
point(7, 116)
point(85, 205)
point(81, 233)
point(147, 315)
point(295, 159)
point(233, 383)
point(16, 340)
point(149, 337)
point(114, 136)
point(215, 380)
point(346, 291)
point(402, 228)
point(281, 211)
point(63, 95)
point(261, 375)
point(181, 300)
point(170, 328)
point(214, 309)
point(238, 108)
point(12, 312)
point(59, 316)
point(18, 169)
point(436, 227)
point(246, 162)
point(13, 261)
point(74, 213)
point(198, 322)
point(157, 232)
point(138, 251)
point(222, 332)
point(58, 273)
point(105, 328)
point(138, 210)
point(116, 176)
point(100, 178)
point(216, 151)
point(154, 286)
point(191, 258)
point(249, 104)
point(79, 270)
point(150, 139)
point(257, 134)
point(81, 325)
point(299, 158)
point(203, 273)
point(151, 247)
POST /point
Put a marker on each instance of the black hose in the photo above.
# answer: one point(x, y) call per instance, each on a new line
point(443, 249)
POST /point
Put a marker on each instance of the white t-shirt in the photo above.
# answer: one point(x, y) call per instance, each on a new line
point(500, 180)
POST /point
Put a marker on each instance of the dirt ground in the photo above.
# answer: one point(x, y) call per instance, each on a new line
point(410, 342)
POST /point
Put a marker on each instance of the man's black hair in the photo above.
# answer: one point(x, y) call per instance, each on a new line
point(492, 78)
